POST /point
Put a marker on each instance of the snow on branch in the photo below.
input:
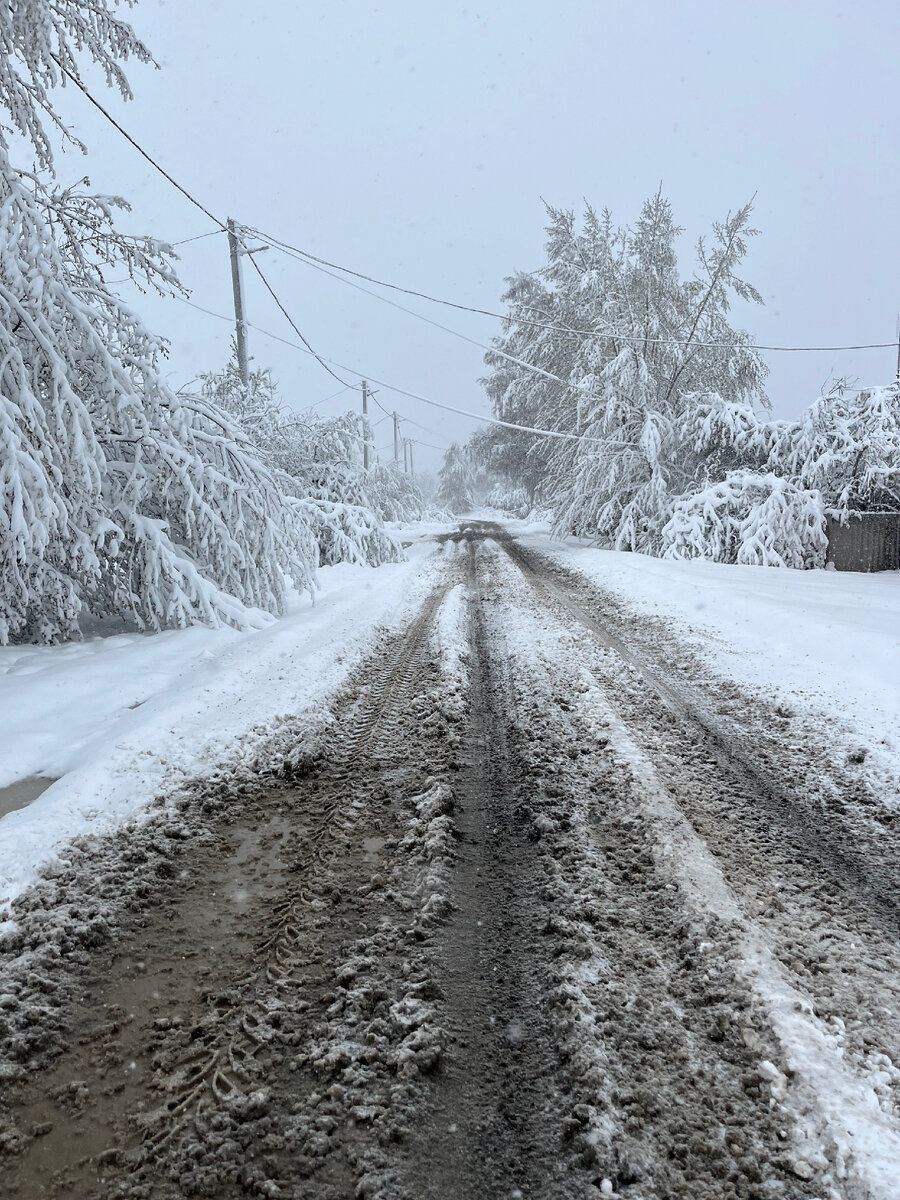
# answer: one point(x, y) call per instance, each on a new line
point(761, 520)
point(39, 42)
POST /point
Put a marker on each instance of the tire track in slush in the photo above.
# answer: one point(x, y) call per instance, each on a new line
point(218, 1073)
point(732, 750)
point(602, 1044)
point(495, 1125)
point(852, 1108)
point(250, 1009)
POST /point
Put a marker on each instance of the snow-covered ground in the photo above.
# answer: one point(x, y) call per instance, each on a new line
point(119, 720)
point(824, 641)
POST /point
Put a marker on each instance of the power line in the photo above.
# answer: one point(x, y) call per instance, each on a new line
point(311, 260)
point(436, 324)
point(209, 233)
point(347, 387)
point(462, 412)
point(222, 226)
point(290, 321)
point(152, 161)
point(305, 255)
point(380, 405)
point(419, 425)
point(387, 415)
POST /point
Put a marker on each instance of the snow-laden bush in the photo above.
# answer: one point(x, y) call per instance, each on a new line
point(760, 520)
point(847, 446)
point(349, 533)
point(394, 495)
point(319, 461)
point(508, 499)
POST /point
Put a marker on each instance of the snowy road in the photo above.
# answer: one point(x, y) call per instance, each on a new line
point(542, 909)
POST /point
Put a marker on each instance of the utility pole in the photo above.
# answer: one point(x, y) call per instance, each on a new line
point(396, 439)
point(365, 410)
point(405, 456)
point(412, 469)
point(237, 284)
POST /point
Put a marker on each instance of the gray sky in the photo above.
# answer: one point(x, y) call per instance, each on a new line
point(413, 141)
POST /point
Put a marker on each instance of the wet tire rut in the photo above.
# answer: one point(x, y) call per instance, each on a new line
point(804, 852)
point(496, 1121)
point(237, 999)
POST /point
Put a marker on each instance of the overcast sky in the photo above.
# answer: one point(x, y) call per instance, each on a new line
point(413, 141)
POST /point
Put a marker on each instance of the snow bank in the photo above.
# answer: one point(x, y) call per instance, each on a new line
point(123, 719)
point(829, 641)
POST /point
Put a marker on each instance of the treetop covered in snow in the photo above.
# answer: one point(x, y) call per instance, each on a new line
point(674, 451)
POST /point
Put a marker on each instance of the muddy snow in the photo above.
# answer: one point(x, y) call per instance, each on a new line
point(531, 903)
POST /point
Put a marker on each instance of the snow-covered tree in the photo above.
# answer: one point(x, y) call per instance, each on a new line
point(116, 496)
point(455, 492)
point(319, 461)
point(846, 445)
point(635, 347)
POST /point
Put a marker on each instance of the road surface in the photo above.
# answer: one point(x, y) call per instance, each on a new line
point(542, 913)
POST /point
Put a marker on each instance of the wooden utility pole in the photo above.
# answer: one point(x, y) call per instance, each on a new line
point(365, 410)
point(237, 284)
point(396, 438)
point(412, 469)
point(405, 456)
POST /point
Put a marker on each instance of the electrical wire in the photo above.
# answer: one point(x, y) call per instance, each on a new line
point(290, 321)
point(520, 362)
point(409, 420)
point(347, 388)
point(306, 256)
point(427, 429)
point(222, 227)
point(209, 233)
point(462, 412)
point(152, 161)
point(372, 396)
point(312, 259)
